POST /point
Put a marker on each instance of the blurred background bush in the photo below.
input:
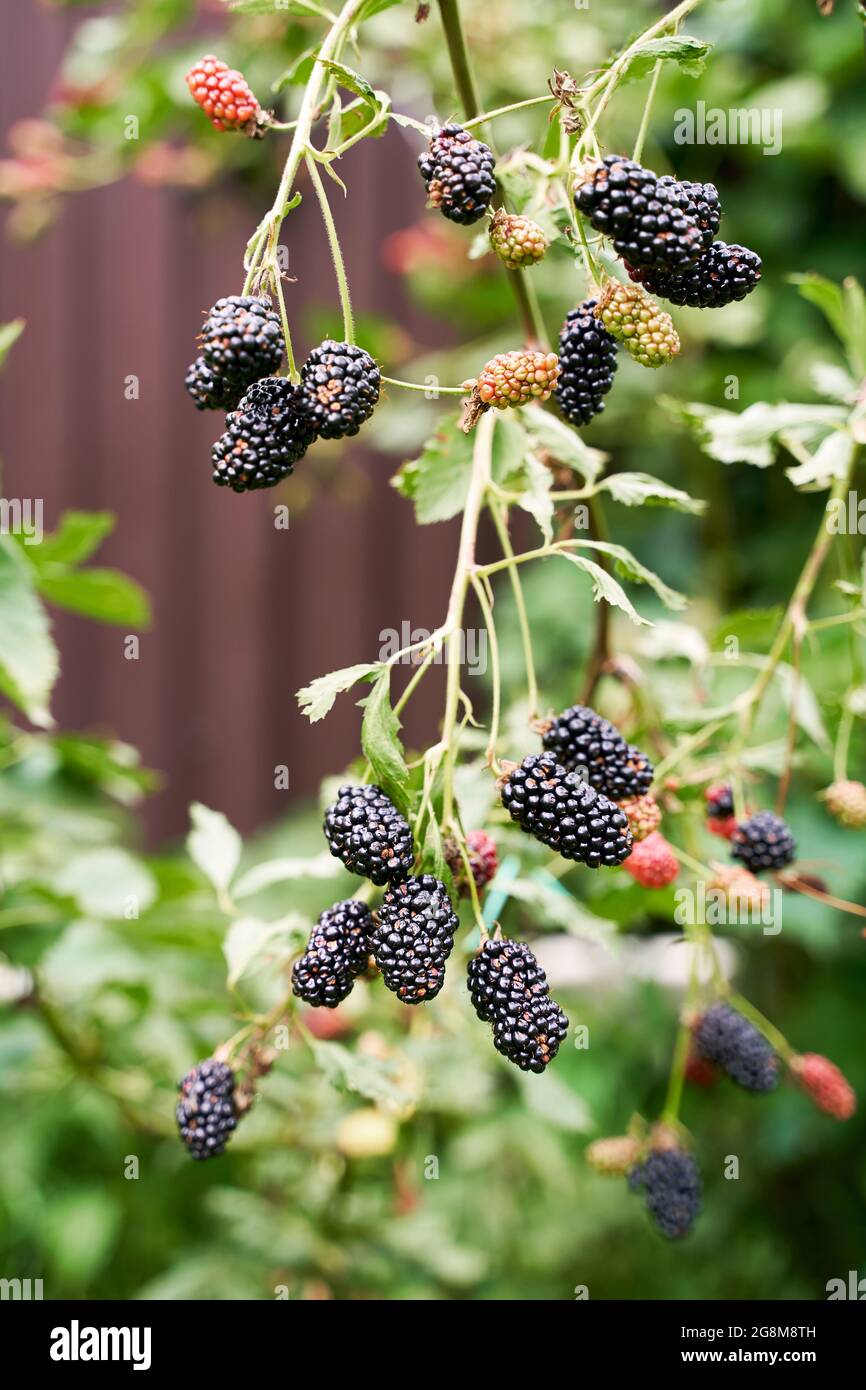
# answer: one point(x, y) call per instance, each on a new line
point(118, 235)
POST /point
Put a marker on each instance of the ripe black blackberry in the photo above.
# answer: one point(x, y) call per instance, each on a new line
point(566, 813)
point(733, 1044)
point(720, 800)
point(413, 938)
point(583, 741)
point(206, 1110)
point(672, 1187)
point(650, 221)
point(458, 172)
point(209, 391)
point(763, 842)
point(700, 201)
point(242, 339)
point(509, 989)
point(366, 831)
point(340, 384)
point(587, 364)
point(722, 275)
point(264, 438)
point(337, 952)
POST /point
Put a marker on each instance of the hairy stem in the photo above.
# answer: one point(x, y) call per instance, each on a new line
point(336, 252)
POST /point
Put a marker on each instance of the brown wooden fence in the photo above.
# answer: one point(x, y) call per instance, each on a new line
point(244, 613)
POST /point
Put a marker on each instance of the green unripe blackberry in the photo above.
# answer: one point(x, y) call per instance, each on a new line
point(413, 938)
point(565, 813)
point(518, 241)
point(583, 742)
point(645, 331)
point(366, 832)
point(340, 384)
point(264, 438)
point(242, 339)
point(457, 170)
point(206, 1110)
point(763, 842)
point(722, 275)
point(337, 952)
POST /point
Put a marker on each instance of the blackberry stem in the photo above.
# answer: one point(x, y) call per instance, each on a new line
point(417, 386)
point(843, 742)
point(501, 524)
point(644, 122)
point(481, 587)
point(336, 251)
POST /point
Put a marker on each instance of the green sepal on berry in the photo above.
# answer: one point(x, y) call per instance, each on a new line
point(645, 330)
point(517, 241)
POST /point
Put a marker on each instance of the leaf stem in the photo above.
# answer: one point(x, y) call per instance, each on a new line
point(336, 250)
point(501, 524)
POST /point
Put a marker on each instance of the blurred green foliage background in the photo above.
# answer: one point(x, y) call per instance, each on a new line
point(323, 1192)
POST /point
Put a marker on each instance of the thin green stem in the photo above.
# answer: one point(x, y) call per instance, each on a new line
point(501, 524)
point(336, 250)
point(486, 116)
point(413, 683)
point(776, 1039)
point(674, 1096)
point(487, 611)
point(843, 743)
point(644, 123)
point(431, 391)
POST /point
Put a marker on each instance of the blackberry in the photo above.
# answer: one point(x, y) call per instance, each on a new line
point(225, 96)
point(582, 741)
point(264, 438)
point(645, 331)
point(722, 275)
point(340, 383)
point(209, 391)
point(365, 830)
point(825, 1084)
point(565, 813)
point(699, 201)
point(509, 989)
point(643, 813)
point(517, 241)
point(651, 221)
point(846, 801)
point(763, 842)
point(672, 1187)
point(337, 952)
point(652, 863)
point(242, 339)
point(458, 172)
point(413, 938)
point(515, 378)
point(728, 1040)
point(720, 800)
point(206, 1111)
point(587, 364)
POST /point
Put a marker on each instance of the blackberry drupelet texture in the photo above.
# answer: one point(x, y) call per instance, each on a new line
point(566, 814)
point(516, 378)
point(587, 364)
point(763, 842)
point(340, 383)
point(728, 1040)
point(365, 830)
point(458, 172)
point(582, 741)
point(509, 989)
point(646, 331)
point(643, 813)
point(672, 1188)
point(652, 863)
point(517, 241)
point(651, 221)
point(209, 391)
point(225, 96)
point(337, 952)
point(206, 1111)
point(264, 438)
point(722, 275)
point(413, 938)
point(242, 339)
point(720, 800)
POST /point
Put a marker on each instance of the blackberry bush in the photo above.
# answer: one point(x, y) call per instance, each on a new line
point(264, 438)
point(583, 741)
point(242, 339)
point(340, 385)
point(509, 990)
point(722, 275)
point(651, 221)
point(633, 319)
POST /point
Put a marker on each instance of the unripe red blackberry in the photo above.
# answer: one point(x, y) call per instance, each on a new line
point(721, 276)
point(515, 378)
point(763, 842)
point(366, 832)
point(723, 1037)
point(742, 890)
point(341, 385)
point(651, 221)
point(672, 1187)
point(645, 331)
point(699, 1071)
point(587, 364)
point(584, 742)
point(652, 863)
point(825, 1084)
point(337, 952)
point(242, 339)
point(209, 391)
point(206, 1110)
point(565, 813)
point(483, 861)
point(847, 802)
point(643, 813)
point(518, 241)
point(225, 97)
point(458, 172)
point(264, 438)
point(509, 990)
point(413, 938)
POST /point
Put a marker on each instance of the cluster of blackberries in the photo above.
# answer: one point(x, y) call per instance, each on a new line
point(584, 742)
point(509, 990)
point(672, 1188)
point(206, 1110)
point(565, 813)
point(272, 421)
point(727, 1040)
point(457, 171)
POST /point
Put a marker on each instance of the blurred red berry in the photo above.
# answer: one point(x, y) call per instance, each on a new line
point(483, 859)
point(652, 862)
point(824, 1084)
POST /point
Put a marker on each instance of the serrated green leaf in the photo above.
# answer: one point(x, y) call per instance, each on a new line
point(641, 489)
point(317, 698)
point(106, 595)
point(630, 567)
point(381, 743)
point(213, 845)
point(749, 436)
point(563, 444)
point(830, 461)
point(438, 480)
point(689, 53)
point(352, 81)
point(605, 587)
point(28, 657)
point(366, 1076)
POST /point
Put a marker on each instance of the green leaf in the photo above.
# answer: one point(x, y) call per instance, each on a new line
point(536, 498)
point(562, 444)
point(826, 296)
point(78, 536)
point(748, 436)
point(317, 699)
point(105, 882)
point(437, 482)
point(106, 595)
point(630, 567)
point(799, 697)
point(285, 871)
point(353, 81)
point(690, 53)
point(298, 74)
point(9, 335)
point(754, 629)
point(28, 657)
point(248, 939)
point(366, 1076)
point(213, 845)
point(830, 461)
point(854, 302)
point(641, 489)
point(605, 587)
point(381, 743)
